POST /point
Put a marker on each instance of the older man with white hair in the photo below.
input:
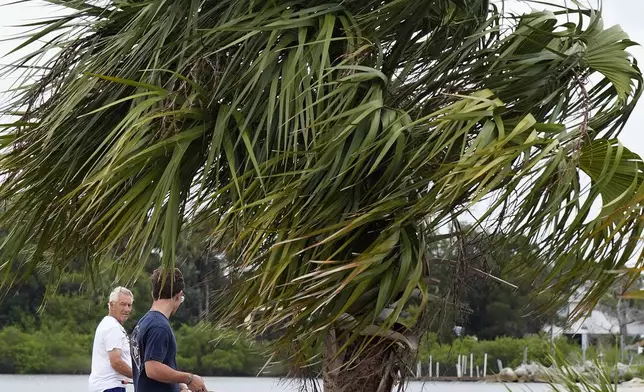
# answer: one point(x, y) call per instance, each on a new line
point(111, 361)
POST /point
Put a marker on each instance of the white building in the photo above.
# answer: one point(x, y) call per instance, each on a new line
point(598, 322)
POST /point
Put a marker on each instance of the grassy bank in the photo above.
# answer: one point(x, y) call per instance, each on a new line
point(227, 353)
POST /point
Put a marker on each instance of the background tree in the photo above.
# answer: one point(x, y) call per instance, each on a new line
point(488, 283)
point(203, 268)
point(327, 144)
point(622, 304)
point(501, 287)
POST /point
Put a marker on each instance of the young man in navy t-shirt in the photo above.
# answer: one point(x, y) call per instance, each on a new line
point(153, 346)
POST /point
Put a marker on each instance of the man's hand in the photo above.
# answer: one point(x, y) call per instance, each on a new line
point(197, 384)
point(165, 374)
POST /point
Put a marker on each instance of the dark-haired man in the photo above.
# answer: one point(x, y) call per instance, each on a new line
point(154, 347)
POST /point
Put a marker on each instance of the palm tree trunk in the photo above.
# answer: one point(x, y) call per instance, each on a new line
point(377, 369)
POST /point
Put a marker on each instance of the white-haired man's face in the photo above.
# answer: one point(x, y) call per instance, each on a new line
point(122, 308)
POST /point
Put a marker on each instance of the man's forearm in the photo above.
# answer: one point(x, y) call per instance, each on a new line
point(122, 368)
point(164, 373)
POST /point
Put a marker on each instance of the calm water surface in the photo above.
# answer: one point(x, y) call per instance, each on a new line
point(79, 384)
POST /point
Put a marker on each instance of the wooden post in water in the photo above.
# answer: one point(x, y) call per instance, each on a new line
point(430, 366)
point(458, 367)
point(471, 365)
point(438, 369)
point(478, 374)
point(464, 366)
point(485, 365)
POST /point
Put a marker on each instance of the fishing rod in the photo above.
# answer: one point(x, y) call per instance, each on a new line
point(128, 382)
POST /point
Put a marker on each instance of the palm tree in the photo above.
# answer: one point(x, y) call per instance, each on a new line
point(328, 144)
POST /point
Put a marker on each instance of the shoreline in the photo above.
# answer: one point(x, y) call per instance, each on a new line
point(486, 380)
point(410, 379)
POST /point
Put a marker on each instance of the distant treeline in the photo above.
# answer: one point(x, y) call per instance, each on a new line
point(211, 352)
point(201, 349)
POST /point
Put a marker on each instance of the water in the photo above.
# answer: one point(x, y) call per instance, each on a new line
point(79, 383)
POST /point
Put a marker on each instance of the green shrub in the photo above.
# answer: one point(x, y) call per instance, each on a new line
point(201, 349)
point(60, 352)
point(213, 352)
point(508, 350)
point(638, 371)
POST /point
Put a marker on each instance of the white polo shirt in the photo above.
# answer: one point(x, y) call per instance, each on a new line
point(109, 335)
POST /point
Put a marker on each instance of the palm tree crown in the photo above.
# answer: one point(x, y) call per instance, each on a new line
point(327, 143)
